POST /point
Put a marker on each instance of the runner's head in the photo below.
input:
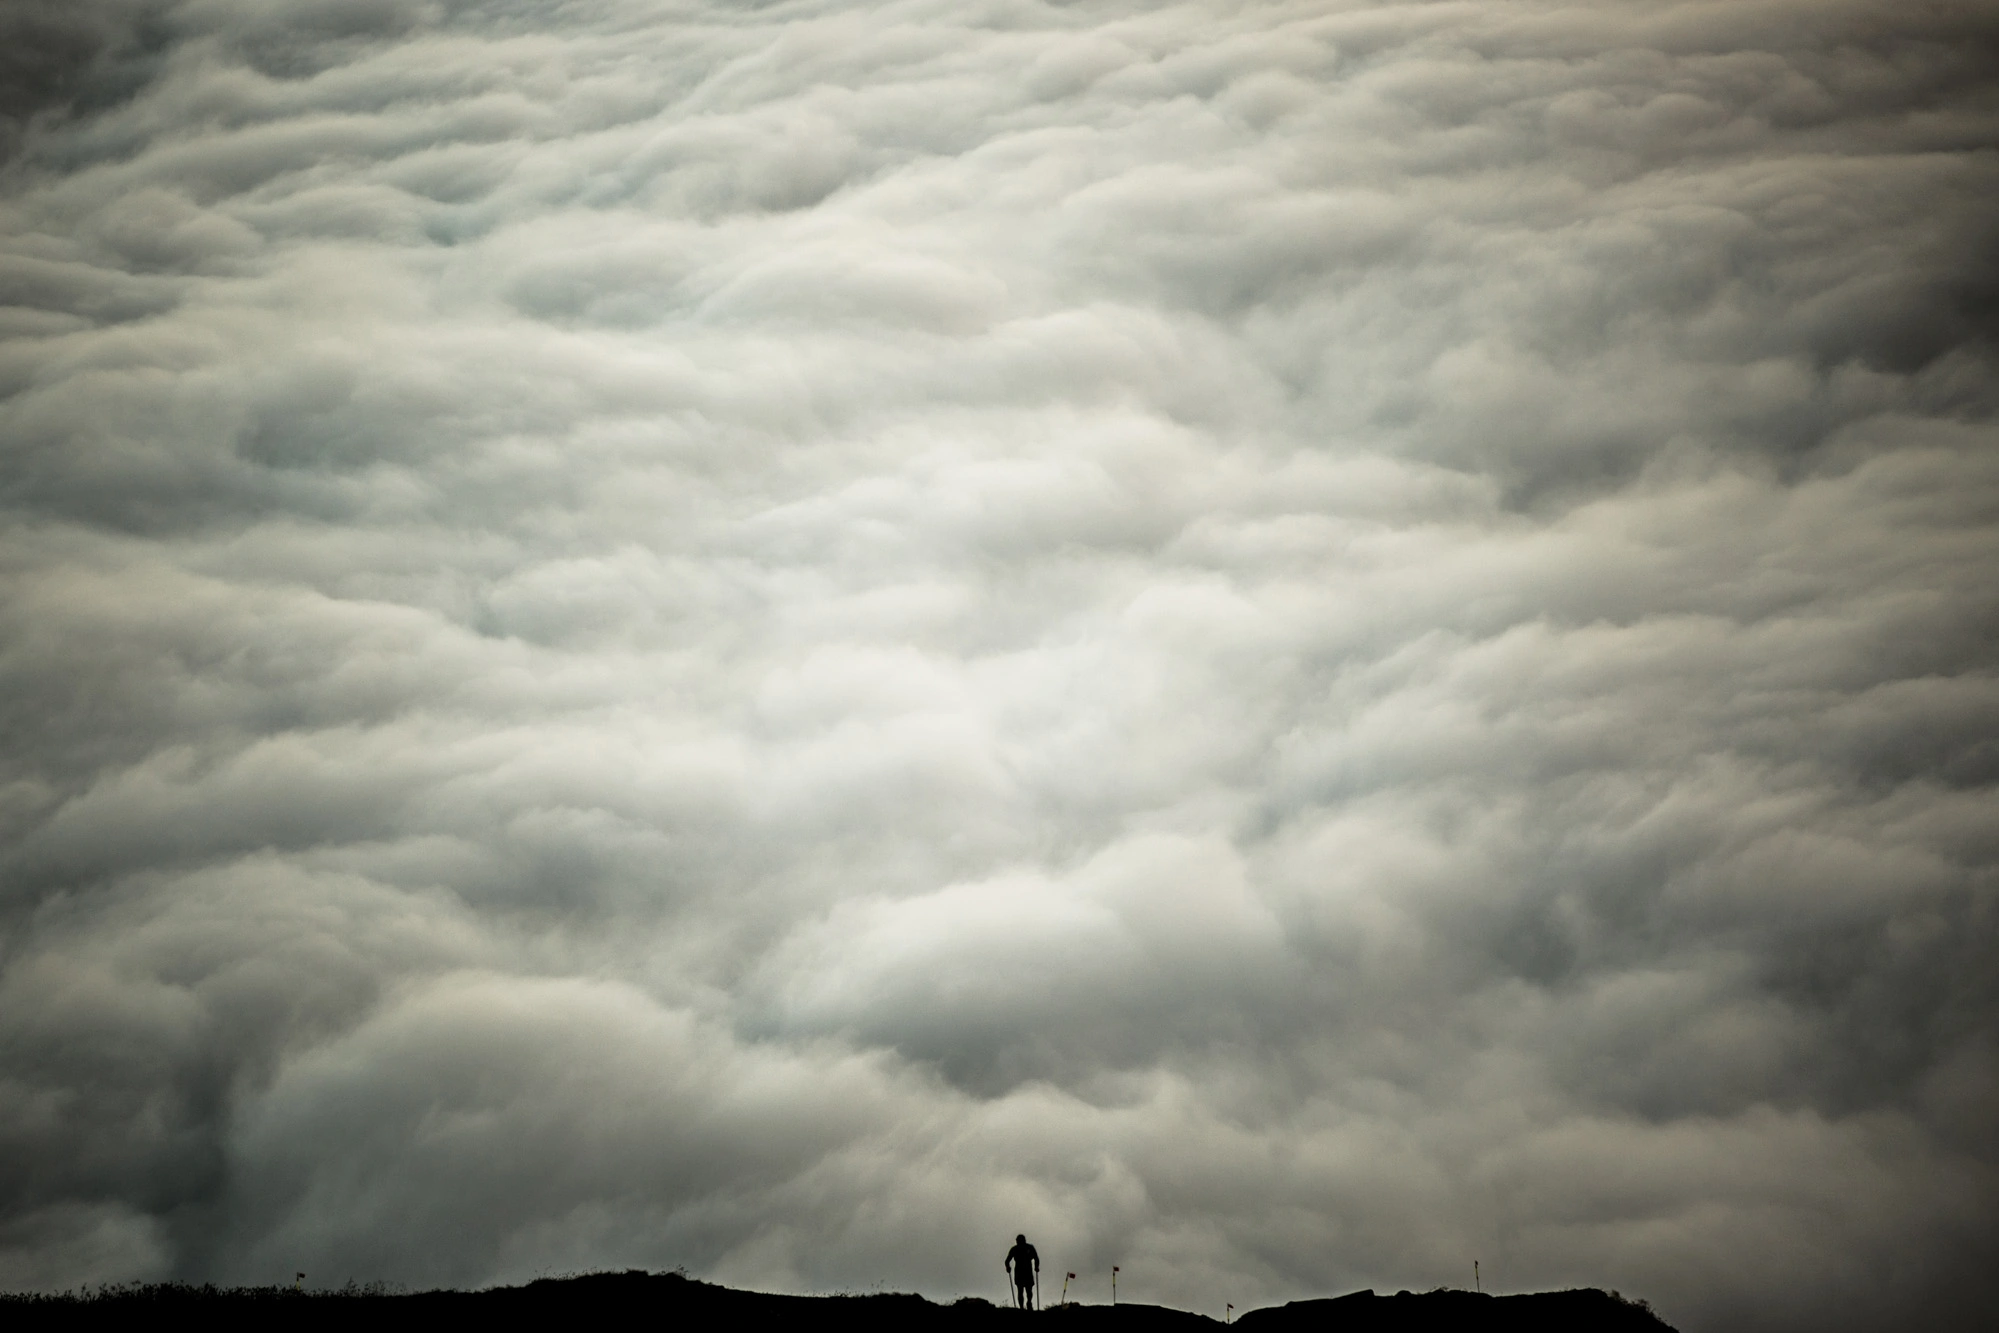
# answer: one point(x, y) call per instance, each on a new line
point(1020, 1240)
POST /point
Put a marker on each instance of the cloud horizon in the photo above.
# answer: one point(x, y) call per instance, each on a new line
point(1287, 645)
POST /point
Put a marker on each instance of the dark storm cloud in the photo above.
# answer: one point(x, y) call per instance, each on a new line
point(1287, 645)
point(57, 59)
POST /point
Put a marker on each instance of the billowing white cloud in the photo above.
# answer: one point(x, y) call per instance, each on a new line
point(1285, 645)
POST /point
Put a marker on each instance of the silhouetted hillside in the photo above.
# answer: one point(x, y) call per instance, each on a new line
point(1540, 1312)
point(668, 1300)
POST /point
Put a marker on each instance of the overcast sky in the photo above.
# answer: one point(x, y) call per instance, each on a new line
point(1286, 645)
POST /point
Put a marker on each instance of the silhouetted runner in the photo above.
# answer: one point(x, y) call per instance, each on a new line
point(1023, 1263)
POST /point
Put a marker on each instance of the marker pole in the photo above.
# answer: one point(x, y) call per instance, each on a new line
point(1113, 1284)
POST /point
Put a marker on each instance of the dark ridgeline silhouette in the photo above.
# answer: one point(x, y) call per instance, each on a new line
point(1584, 1311)
point(1025, 1265)
point(672, 1303)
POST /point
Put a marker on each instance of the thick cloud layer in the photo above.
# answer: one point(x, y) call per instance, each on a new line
point(1287, 645)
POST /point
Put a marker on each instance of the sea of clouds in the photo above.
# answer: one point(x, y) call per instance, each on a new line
point(1283, 644)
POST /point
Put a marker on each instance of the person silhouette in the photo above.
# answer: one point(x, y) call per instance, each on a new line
point(1023, 1263)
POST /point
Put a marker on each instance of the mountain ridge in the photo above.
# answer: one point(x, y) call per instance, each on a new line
point(671, 1298)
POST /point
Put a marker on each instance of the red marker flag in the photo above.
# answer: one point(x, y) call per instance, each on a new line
point(1068, 1277)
